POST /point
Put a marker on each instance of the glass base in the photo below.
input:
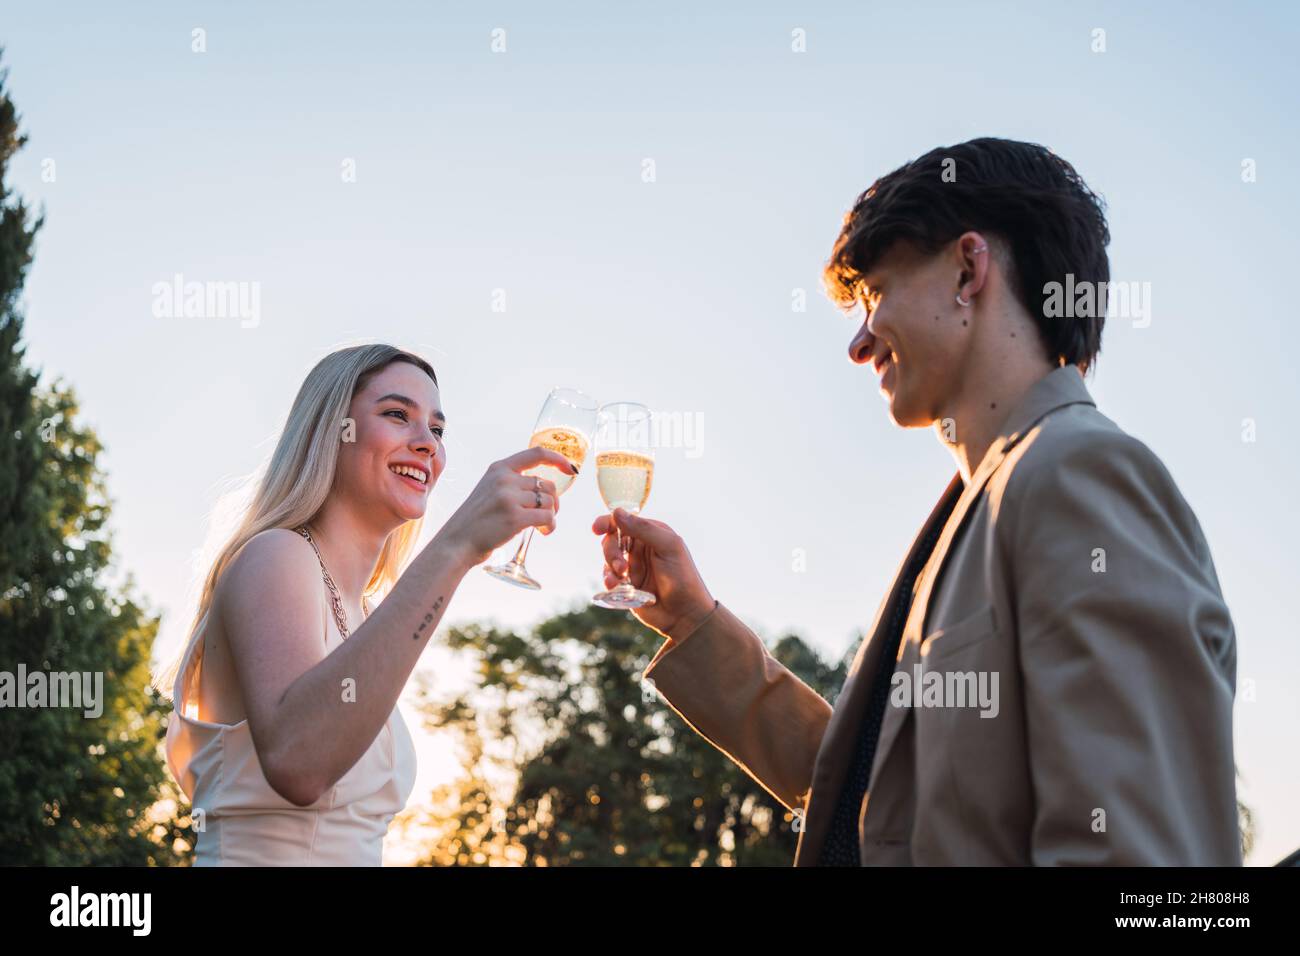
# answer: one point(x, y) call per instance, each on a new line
point(623, 597)
point(515, 574)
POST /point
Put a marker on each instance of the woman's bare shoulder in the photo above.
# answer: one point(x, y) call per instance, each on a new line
point(277, 559)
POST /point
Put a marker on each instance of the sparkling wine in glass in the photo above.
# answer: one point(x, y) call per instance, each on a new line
point(565, 424)
point(625, 469)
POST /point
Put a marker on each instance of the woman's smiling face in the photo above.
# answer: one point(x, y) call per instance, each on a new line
point(396, 453)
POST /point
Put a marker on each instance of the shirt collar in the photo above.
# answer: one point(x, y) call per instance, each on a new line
point(1058, 388)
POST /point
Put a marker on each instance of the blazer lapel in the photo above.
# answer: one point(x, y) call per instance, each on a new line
point(1061, 387)
point(836, 750)
point(914, 628)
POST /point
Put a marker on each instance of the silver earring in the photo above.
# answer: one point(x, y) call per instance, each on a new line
point(960, 301)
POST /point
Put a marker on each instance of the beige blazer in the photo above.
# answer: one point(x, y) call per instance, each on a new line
point(1074, 582)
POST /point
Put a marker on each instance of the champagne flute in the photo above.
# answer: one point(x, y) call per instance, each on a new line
point(565, 425)
point(625, 468)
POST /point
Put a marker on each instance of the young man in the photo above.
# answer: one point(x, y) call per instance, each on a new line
point(1050, 677)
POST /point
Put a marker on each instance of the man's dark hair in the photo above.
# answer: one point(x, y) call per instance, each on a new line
point(1032, 200)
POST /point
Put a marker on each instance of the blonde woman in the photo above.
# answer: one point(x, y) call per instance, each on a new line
point(285, 733)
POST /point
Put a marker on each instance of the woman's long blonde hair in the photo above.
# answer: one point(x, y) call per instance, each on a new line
point(298, 477)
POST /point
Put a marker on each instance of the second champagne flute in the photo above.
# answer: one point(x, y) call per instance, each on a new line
point(565, 424)
point(625, 469)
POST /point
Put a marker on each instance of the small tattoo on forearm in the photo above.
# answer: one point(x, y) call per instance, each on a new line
point(428, 619)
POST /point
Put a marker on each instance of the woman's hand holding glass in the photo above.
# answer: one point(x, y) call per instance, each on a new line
point(564, 426)
point(504, 503)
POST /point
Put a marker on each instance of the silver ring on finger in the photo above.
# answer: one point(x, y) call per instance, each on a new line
point(537, 483)
point(538, 495)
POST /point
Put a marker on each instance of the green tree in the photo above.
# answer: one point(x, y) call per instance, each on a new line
point(73, 789)
point(572, 761)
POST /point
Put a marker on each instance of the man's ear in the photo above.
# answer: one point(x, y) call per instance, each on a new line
point(973, 252)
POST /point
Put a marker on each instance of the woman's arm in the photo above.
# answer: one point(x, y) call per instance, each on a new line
point(313, 715)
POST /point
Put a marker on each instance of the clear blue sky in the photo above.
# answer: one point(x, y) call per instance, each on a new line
point(522, 171)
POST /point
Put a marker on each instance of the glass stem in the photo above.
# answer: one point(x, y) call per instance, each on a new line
point(522, 554)
point(625, 583)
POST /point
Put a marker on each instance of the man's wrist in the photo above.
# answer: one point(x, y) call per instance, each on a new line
point(688, 624)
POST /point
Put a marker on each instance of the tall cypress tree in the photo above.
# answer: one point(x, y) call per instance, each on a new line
point(74, 789)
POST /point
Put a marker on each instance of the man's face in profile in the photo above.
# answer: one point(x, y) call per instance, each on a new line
point(914, 336)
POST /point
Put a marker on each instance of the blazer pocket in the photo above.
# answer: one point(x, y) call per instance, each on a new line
point(960, 635)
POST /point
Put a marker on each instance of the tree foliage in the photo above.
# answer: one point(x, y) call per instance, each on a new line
point(571, 760)
point(74, 790)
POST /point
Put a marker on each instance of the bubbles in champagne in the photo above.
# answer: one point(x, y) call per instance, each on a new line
point(624, 478)
point(570, 443)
